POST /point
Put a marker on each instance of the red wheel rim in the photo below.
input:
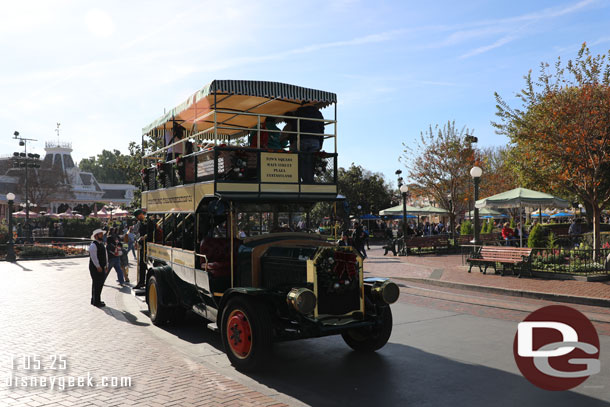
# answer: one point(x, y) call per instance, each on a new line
point(239, 334)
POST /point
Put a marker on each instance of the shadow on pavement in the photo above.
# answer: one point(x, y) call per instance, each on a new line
point(123, 316)
point(193, 330)
point(325, 372)
point(22, 267)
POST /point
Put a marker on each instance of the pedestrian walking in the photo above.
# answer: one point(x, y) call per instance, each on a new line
point(98, 267)
point(114, 250)
point(131, 242)
point(358, 237)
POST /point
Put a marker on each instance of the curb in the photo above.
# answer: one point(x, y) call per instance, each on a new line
point(596, 302)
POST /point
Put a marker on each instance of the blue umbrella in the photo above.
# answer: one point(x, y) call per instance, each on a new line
point(369, 216)
point(409, 216)
point(537, 215)
point(562, 215)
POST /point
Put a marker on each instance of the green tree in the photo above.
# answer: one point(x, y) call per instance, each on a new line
point(440, 165)
point(115, 167)
point(536, 238)
point(361, 188)
point(561, 132)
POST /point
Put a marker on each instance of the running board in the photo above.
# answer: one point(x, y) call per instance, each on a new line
point(207, 313)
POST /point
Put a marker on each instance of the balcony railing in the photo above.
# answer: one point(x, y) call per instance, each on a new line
point(243, 165)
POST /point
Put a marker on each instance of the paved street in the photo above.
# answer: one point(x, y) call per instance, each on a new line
point(449, 347)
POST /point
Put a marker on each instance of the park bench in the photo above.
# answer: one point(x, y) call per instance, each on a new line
point(422, 242)
point(507, 256)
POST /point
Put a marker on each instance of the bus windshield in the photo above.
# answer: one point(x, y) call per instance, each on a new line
point(255, 219)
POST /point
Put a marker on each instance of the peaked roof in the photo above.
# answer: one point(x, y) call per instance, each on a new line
point(522, 197)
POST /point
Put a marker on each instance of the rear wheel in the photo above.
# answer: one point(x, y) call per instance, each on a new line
point(159, 313)
point(246, 333)
point(373, 338)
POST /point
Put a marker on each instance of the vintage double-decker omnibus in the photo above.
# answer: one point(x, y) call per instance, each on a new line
point(227, 195)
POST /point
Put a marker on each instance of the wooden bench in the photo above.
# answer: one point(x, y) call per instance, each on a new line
point(490, 255)
point(428, 241)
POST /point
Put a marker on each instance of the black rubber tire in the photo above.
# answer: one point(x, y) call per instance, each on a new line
point(159, 313)
point(261, 336)
point(371, 339)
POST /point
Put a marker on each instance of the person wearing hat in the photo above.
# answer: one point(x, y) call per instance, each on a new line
point(98, 267)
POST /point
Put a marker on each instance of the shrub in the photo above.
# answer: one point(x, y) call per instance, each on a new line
point(536, 237)
point(33, 252)
point(466, 228)
point(552, 242)
point(587, 238)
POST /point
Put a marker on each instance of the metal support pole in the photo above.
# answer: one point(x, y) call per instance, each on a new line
point(477, 228)
point(10, 252)
point(404, 224)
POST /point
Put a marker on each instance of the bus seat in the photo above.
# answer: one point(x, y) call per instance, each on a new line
point(217, 250)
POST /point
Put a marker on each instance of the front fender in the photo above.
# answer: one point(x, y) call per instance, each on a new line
point(233, 292)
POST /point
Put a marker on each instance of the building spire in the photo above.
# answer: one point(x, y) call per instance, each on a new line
point(57, 131)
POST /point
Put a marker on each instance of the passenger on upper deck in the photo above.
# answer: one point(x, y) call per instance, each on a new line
point(269, 135)
point(308, 142)
point(172, 136)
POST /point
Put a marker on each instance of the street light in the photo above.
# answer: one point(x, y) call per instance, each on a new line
point(404, 191)
point(10, 252)
point(475, 173)
point(450, 213)
point(25, 160)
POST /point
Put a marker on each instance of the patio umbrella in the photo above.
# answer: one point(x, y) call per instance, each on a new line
point(120, 213)
point(520, 197)
point(397, 210)
point(409, 216)
point(21, 214)
point(488, 213)
point(432, 210)
point(562, 215)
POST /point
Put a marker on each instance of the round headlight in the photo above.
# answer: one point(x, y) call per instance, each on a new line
point(302, 299)
point(388, 292)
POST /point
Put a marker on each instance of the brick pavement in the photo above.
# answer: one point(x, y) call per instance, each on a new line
point(448, 268)
point(45, 312)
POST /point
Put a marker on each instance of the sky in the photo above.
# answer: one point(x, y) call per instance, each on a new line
point(106, 69)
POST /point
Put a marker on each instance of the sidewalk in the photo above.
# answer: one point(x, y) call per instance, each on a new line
point(46, 318)
point(448, 271)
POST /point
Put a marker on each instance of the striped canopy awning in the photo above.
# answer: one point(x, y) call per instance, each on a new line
point(256, 97)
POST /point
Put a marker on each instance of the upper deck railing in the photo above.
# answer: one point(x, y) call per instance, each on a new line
point(222, 153)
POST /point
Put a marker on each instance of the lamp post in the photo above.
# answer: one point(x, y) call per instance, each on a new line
point(450, 217)
point(475, 173)
point(10, 252)
point(404, 191)
point(25, 160)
